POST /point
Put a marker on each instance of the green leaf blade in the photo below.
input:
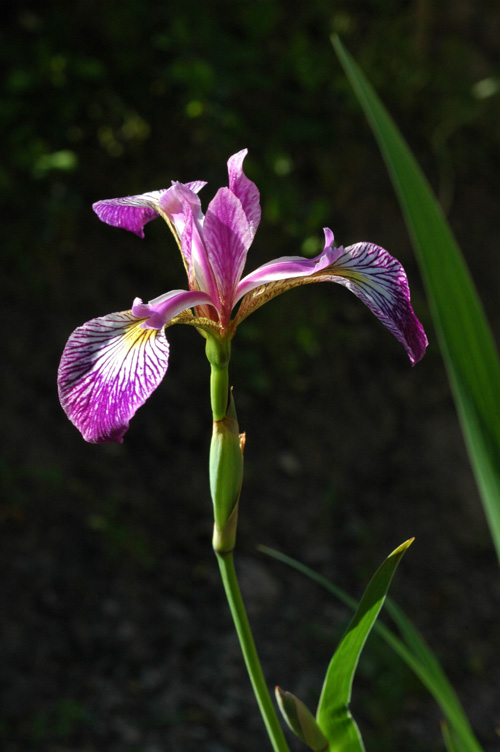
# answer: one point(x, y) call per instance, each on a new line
point(333, 715)
point(464, 335)
point(414, 651)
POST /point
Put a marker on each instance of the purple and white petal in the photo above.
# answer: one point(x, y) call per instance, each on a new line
point(195, 185)
point(227, 239)
point(183, 209)
point(289, 267)
point(380, 281)
point(134, 212)
point(179, 203)
point(245, 189)
point(367, 270)
point(131, 212)
point(163, 309)
point(109, 367)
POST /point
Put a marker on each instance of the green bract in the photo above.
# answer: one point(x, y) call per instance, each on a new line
point(226, 474)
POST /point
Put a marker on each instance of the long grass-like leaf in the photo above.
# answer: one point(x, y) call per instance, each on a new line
point(333, 715)
point(465, 339)
point(414, 651)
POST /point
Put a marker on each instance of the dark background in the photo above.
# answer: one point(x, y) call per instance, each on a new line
point(114, 631)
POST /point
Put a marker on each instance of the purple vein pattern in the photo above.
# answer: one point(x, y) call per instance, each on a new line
point(109, 367)
point(379, 280)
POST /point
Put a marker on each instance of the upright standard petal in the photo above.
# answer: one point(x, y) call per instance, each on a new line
point(109, 367)
point(182, 208)
point(245, 189)
point(227, 238)
point(179, 204)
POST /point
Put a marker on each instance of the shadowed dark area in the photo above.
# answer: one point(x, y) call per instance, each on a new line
point(115, 634)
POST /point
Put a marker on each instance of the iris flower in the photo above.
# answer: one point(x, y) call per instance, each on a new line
point(112, 364)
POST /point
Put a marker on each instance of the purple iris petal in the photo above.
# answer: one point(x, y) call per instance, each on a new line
point(194, 185)
point(227, 238)
point(183, 209)
point(134, 212)
point(244, 189)
point(289, 267)
point(131, 212)
point(380, 281)
point(109, 367)
point(164, 308)
point(367, 270)
point(179, 204)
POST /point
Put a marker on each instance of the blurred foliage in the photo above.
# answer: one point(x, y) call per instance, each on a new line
point(104, 98)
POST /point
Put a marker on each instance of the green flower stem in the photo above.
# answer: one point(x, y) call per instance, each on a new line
point(219, 390)
point(247, 644)
point(226, 468)
point(218, 354)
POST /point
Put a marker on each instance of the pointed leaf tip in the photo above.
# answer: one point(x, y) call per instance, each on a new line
point(400, 550)
point(333, 715)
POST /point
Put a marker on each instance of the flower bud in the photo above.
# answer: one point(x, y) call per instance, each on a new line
point(301, 721)
point(226, 474)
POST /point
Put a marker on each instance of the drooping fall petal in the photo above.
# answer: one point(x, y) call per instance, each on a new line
point(379, 280)
point(134, 212)
point(287, 268)
point(368, 271)
point(109, 367)
point(131, 212)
